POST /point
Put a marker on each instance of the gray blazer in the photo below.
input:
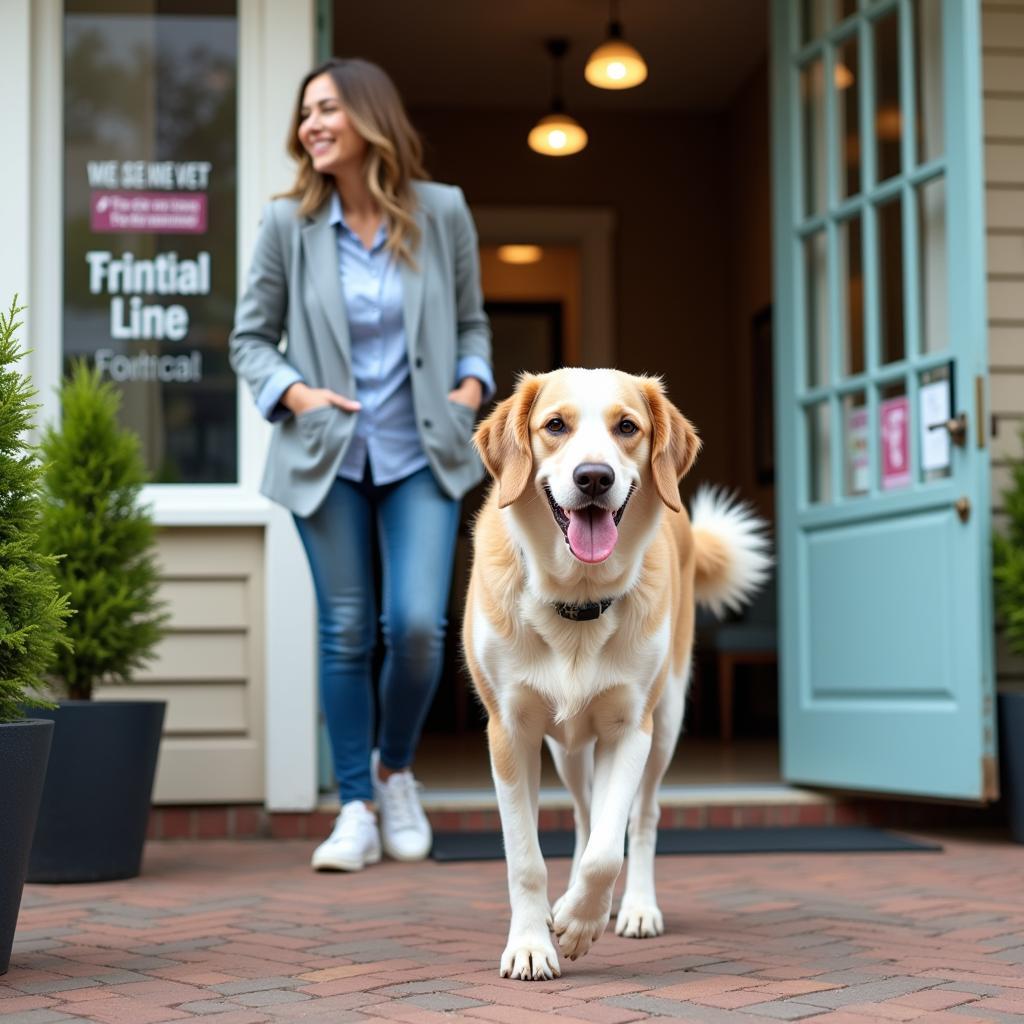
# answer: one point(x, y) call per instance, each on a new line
point(294, 290)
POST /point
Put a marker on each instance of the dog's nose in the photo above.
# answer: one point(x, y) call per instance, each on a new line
point(593, 478)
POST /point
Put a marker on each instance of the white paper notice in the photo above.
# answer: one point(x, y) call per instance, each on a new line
point(935, 410)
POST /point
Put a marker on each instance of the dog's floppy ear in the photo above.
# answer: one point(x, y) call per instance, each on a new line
point(674, 442)
point(503, 440)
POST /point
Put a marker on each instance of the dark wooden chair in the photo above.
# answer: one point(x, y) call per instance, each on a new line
point(749, 639)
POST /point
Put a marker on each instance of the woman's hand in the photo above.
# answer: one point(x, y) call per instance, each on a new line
point(300, 398)
point(469, 392)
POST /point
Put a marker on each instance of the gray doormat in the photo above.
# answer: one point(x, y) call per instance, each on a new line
point(459, 846)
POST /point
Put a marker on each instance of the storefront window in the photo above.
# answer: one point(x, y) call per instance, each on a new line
point(150, 166)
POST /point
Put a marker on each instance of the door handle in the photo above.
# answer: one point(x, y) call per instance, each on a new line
point(963, 508)
point(957, 427)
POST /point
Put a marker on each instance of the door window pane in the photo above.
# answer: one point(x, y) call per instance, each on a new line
point(150, 186)
point(816, 280)
point(890, 281)
point(852, 299)
point(888, 115)
point(819, 454)
point(935, 397)
point(813, 93)
point(934, 267)
point(847, 71)
point(929, 86)
point(812, 19)
point(894, 436)
point(856, 460)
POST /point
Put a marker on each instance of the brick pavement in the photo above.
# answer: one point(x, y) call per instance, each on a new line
point(244, 933)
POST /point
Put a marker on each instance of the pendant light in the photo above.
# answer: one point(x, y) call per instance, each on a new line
point(557, 134)
point(615, 64)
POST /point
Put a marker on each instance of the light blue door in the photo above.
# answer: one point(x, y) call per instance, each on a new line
point(883, 504)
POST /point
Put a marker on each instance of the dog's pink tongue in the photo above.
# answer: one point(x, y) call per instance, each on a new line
point(592, 533)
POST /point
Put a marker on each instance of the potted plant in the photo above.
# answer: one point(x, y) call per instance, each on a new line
point(99, 786)
point(32, 617)
point(1008, 573)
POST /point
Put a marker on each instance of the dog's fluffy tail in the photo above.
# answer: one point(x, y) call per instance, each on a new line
point(733, 551)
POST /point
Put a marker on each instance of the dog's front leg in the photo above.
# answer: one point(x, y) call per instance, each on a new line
point(515, 763)
point(581, 915)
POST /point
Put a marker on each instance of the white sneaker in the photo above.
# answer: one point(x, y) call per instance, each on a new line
point(353, 843)
point(405, 831)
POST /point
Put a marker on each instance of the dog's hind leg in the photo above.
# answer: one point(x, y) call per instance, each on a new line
point(639, 916)
point(576, 770)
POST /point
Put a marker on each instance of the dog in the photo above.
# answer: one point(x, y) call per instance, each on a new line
point(578, 631)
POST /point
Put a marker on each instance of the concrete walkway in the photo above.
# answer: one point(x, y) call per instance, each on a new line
point(243, 932)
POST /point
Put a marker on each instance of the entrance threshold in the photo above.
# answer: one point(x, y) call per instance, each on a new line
point(556, 798)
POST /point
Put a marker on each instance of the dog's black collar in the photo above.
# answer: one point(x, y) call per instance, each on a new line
point(583, 612)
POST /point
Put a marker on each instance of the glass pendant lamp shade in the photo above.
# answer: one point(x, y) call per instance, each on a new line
point(557, 135)
point(615, 65)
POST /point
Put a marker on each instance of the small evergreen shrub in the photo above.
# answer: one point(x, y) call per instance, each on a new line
point(1008, 563)
point(33, 611)
point(91, 515)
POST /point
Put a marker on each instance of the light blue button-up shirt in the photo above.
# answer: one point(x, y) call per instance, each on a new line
point(386, 432)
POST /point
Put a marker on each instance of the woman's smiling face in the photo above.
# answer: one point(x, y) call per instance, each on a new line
point(325, 130)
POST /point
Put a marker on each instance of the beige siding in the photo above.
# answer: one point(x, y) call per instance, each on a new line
point(209, 668)
point(1003, 74)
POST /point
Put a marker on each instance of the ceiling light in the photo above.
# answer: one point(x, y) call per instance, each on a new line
point(557, 134)
point(520, 253)
point(615, 64)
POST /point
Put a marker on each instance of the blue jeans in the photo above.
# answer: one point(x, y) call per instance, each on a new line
point(416, 527)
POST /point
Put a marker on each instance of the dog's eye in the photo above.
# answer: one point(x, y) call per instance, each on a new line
point(555, 426)
point(627, 427)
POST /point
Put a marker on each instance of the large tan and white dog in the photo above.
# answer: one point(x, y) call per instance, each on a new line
point(578, 631)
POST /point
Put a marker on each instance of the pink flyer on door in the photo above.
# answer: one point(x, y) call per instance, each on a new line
point(894, 417)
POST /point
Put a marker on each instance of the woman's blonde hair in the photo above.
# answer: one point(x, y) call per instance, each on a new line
point(394, 155)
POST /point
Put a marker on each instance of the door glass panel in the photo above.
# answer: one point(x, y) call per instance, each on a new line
point(819, 457)
point(150, 168)
point(933, 261)
point(935, 396)
point(852, 299)
point(847, 86)
point(856, 464)
point(815, 259)
point(893, 436)
point(890, 282)
point(811, 88)
point(812, 18)
point(929, 86)
point(888, 115)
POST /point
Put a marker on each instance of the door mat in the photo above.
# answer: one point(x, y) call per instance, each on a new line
point(459, 846)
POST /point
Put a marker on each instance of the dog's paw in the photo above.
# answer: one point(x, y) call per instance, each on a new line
point(553, 912)
point(639, 921)
point(530, 958)
point(579, 922)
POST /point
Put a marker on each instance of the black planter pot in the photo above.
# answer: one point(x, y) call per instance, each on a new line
point(1011, 759)
point(99, 784)
point(24, 747)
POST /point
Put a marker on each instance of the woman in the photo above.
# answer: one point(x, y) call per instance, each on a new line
point(373, 274)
